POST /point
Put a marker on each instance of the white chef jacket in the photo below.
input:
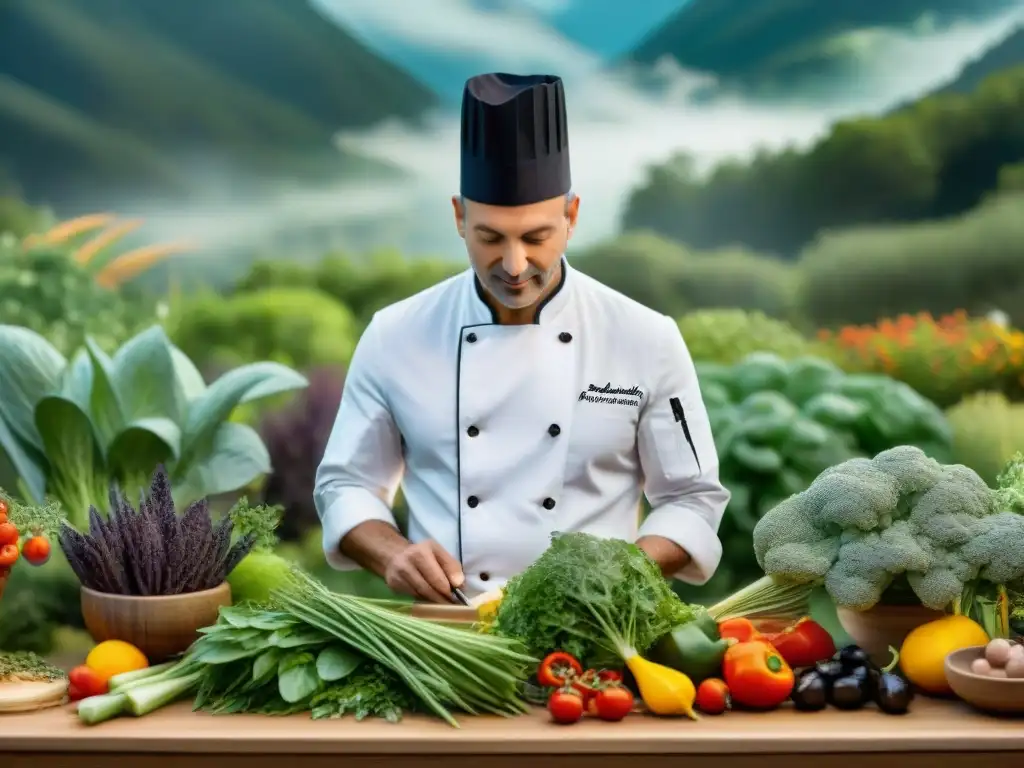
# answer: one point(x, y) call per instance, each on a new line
point(502, 434)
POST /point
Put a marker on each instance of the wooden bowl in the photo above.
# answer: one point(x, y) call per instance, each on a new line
point(160, 626)
point(877, 628)
point(989, 694)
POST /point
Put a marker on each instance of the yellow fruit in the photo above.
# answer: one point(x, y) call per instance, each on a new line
point(924, 652)
point(112, 657)
point(487, 611)
point(664, 690)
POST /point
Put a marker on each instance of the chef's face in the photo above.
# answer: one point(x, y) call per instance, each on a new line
point(515, 251)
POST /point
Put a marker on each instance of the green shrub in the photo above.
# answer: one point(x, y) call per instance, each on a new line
point(778, 424)
point(974, 263)
point(668, 278)
point(364, 286)
point(728, 335)
point(299, 327)
point(42, 288)
point(987, 430)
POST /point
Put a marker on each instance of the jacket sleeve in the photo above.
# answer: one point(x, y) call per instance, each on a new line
point(680, 464)
point(362, 465)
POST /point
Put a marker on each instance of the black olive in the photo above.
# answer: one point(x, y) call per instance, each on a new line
point(830, 670)
point(868, 674)
point(852, 656)
point(810, 693)
point(893, 693)
point(850, 692)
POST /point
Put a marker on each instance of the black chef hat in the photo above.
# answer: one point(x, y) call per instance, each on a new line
point(515, 141)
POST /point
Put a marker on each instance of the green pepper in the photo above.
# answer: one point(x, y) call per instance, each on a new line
point(694, 648)
point(707, 624)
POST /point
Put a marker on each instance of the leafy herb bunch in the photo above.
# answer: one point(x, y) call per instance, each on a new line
point(153, 550)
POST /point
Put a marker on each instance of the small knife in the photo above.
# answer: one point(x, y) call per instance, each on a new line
point(459, 596)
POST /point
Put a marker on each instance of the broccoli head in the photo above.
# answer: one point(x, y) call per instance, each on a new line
point(863, 522)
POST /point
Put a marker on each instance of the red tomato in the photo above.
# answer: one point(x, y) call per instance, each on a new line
point(610, 676)
point(713, 696)
point(566, 707)
point(36, 550)
point(8, 533)
point(88, 681)
point(613, 703)
point(9, 555)
point(75, 693)
point(3, 511)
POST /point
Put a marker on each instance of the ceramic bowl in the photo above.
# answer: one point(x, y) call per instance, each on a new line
point(990, 694)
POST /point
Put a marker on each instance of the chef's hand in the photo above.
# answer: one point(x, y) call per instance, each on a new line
point(424, 570)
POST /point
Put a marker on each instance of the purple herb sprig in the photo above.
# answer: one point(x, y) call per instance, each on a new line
point(152, 550)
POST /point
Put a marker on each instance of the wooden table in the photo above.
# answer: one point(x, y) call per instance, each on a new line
point(936, 733)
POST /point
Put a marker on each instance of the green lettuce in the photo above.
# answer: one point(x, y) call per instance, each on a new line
point(71, 428)
point(597, 599)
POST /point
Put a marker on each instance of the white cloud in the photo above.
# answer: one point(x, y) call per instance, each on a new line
point(519, 40)
point(615, 131)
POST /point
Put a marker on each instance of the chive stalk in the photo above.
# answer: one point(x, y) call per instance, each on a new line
point(143, 699)
point(765, 597)
point(125, 678)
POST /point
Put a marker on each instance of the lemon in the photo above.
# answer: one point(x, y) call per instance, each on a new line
point(924, 652)
point(112, 657)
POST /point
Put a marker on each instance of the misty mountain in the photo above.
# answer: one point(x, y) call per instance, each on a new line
point(1007, 53)
point(155, 96)
point(777, 47)
point(604, 28)
point(609, 28)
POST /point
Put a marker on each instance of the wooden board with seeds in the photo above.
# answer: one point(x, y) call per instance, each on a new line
point(28, 683)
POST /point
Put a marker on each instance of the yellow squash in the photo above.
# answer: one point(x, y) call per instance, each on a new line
point(665, 691)
point(923, 654)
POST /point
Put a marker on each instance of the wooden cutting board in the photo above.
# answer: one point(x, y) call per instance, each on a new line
point(30, 696)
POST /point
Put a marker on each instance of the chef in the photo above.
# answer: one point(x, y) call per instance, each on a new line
point(520, 397)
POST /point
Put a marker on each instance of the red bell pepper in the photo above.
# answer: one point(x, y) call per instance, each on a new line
point(557, 669)
point(804, 644)
point(741, 630)
point(757, 676)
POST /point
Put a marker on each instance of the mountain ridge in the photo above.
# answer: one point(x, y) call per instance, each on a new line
point(260, 92)
point(756, 46)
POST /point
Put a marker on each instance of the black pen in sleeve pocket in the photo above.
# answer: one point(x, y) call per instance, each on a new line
point(677, 411)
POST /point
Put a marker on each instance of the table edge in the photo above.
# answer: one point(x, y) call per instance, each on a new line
point(473, 744)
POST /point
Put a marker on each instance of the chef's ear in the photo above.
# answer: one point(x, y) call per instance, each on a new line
point(572, 212)
point(460, 215)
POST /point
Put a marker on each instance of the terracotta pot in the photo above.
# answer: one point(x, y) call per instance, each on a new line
point(160, 626)
point(877, 628)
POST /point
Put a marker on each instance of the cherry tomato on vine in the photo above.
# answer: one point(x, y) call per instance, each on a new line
point(9, 555)
point(613, 703)
point(566, 707)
